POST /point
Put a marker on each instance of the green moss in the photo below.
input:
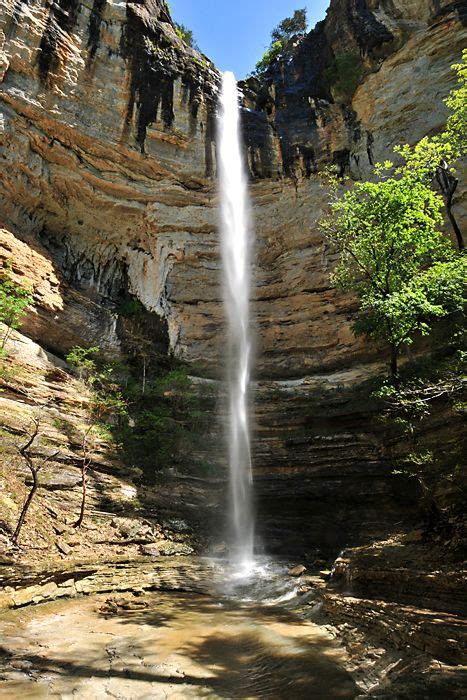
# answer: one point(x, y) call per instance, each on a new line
point(345, 74)
point(131, 308)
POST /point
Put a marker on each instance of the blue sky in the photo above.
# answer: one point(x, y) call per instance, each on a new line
point(235, 33)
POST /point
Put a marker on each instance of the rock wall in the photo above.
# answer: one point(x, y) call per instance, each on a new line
point(107, 136)
point(108, 147)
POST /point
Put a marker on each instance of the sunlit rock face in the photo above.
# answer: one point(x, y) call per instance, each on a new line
point(321, 456)
point(301, 116)
point(108, 174)
point(108, 143)
point(108, 134)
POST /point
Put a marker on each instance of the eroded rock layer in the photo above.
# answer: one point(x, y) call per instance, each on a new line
point(108, 190)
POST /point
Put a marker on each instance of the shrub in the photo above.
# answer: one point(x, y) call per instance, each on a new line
point(14, 301)
point(345, 74)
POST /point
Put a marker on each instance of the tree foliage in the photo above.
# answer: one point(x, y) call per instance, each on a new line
point(407, 408)
point(14, 301)
point(345, 73)
point(393, 253)
point(186, 35)
point(290, 26)
point(154, 422)
point(269, 56)
point(166, 420)
point(281, 36)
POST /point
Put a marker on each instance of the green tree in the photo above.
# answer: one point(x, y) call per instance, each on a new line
point(280, 37)
point(186, 35)
point(395, 258)
point(290, 26)
point(432, 159)
point(14, 301)
point(393, 254)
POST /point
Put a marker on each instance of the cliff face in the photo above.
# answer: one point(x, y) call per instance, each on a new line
point(108, 189)
point(108, 148)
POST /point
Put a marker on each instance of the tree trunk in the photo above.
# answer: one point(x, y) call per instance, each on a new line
point(22, 517)
point(6, 337)
point(457, 231)
point(448, 185)
point(394, 364)
point(86, 461)
point(84, 468)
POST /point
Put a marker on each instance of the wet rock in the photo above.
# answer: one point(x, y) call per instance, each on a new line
point(150, 550)
point(169, 549)
point(325, 574)
point(297, 571)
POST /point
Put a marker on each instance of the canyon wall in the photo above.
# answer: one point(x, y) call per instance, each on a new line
point(108, 179)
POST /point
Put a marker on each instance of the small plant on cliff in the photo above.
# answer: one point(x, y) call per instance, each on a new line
point(345, 74)
point(14, 301)
point(186, 35)
point(107, 406)
point(269, 57)
point(280, 37)
point(83, 362)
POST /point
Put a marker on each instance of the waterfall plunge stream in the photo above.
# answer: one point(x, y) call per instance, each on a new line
point(236, 245)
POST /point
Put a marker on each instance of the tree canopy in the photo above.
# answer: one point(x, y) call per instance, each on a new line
point(186, 35)
point(280, 37)
point(393, 253)
point(290, 26)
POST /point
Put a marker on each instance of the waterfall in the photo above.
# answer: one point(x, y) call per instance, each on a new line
point(236, 246)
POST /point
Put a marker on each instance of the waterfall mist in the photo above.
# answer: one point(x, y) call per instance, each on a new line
point(236, 246)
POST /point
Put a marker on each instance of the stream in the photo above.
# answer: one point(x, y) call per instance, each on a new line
point(167, 645)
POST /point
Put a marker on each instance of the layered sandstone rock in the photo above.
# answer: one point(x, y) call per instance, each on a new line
point(108, 136)
point(108, 146)
point(108, 130)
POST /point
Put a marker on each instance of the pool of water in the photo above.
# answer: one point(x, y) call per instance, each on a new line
point(167, 645)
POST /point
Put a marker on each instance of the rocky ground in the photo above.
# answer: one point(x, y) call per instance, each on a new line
point(399, 607)
point(167, 646)
point(394, 604)
point(122, 519)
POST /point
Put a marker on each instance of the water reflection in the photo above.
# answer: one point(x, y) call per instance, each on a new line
point(168, 645)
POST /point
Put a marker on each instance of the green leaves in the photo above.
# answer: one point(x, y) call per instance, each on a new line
point(280, 37)
point(345, 73)
point(269, 56)
point(14, 301)
point(186, 35)
point(81, 360)
point(392, 251)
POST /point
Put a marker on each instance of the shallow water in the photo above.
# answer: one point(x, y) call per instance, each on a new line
point(177, 646)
